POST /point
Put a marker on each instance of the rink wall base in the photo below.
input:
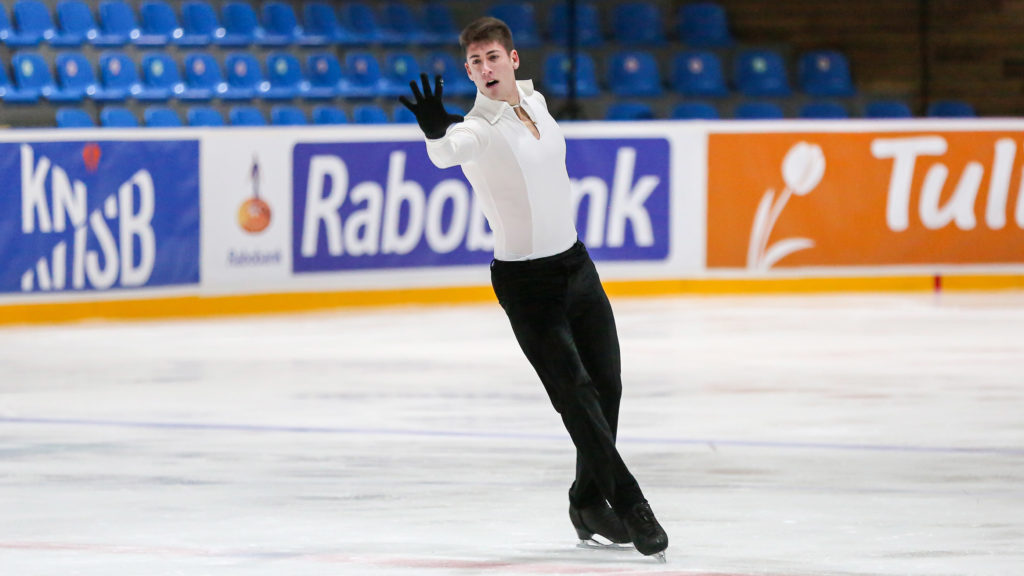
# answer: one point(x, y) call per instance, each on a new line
point(285, 303)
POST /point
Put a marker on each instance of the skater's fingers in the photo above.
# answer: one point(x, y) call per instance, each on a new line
point(416, 91)
point(426, 86)
point(438, 86)
point(407, 103)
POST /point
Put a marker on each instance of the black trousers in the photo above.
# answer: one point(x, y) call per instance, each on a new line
point(563, 321)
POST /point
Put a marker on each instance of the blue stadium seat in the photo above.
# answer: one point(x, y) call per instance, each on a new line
point(287, 116)
point(556, 75)
point(369, 114)
point(161, 78)
point(364, 77)
point(75, 77)
point(245, 80)
point(241, 27)
point(118, 117)
point(760, 72)
point(285, 76)
point(825, 73)
point(159, 24)
point(280, 25)
point(9, 93)
point(951, 109)
point(758, 111)
point(199, 24)
point(118, 25)
point(119, 79)
point(32, 77)
point(456, 83)
point(629, 111)
point(638, 23)
point(520, 19)
point(361, 19)
point(695, 111)
point(246, 116)
point(887, 109)
point(74, 118)
point(5, 24)
point(400, 69)
point(634, 73)
point(32, 24)
point(329, 115)
point(440, 23)
point(76, 24)
point(704, 25)
point(322, 27)
point(402, 115)
point(698, 73)
point(204, 116)
point(203, 78)
point(588, 24)
point(161, 117)
point(399, 19)
point(324, 73)
point(823, 111)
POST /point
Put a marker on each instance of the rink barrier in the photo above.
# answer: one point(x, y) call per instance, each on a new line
point(287, 303)
point(200, 222)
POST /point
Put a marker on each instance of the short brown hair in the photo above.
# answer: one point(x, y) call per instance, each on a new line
point(486, 29)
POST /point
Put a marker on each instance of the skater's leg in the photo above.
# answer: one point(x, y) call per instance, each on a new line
point(536, 310)
point(596, 339)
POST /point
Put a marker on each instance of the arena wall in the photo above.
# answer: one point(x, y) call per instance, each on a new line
point(187, 222)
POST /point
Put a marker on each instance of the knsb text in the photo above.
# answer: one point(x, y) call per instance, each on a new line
point(54, 203)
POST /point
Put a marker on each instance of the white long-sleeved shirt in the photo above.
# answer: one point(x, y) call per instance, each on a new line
point(521, 182)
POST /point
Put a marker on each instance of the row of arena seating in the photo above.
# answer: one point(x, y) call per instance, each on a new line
point(756, 73)
point(280, 76)
point(157, 23)
point(769, 110)
point(243, 115)
point(164, 116)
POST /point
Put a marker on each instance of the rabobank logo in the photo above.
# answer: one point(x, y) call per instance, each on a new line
point(254, 214)
point(96, 216)
point(365, 205)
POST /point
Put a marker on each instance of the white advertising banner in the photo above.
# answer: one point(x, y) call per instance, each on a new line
point(363, 208)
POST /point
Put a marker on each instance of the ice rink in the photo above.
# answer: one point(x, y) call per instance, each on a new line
point(778, 436)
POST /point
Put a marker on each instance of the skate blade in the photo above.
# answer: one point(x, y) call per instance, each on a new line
point(660, 557)
point(594, 544)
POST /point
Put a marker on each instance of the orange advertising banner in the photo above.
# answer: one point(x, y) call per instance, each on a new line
point(788, 200)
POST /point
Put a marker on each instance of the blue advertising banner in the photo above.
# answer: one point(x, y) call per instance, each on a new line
point(89, 216)
point(373, 205)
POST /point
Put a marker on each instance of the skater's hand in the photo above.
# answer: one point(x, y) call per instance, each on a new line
point(433, 119)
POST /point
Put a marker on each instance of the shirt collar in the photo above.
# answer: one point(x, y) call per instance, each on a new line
point(492, 109)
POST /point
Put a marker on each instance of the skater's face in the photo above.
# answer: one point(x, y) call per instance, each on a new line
point(493, 70)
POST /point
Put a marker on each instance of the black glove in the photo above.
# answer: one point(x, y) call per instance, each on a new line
point(434, 120)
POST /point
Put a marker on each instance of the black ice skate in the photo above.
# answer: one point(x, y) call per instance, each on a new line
point(647, 535)
point(599, 527)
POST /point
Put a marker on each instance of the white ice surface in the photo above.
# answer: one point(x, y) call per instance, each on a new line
point(780, 436)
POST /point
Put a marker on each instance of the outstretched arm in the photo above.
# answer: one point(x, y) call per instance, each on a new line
point(429, 108)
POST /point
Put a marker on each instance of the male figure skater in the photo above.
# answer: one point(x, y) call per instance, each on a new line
point(513, 153)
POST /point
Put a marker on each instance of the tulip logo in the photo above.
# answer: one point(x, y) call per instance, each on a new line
point(802, 170)
point(254, 213)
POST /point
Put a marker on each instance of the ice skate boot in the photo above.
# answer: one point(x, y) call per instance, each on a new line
point(647, 535)
point(599, 527)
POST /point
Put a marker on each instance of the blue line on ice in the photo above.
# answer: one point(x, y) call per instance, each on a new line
point(1004, 451)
